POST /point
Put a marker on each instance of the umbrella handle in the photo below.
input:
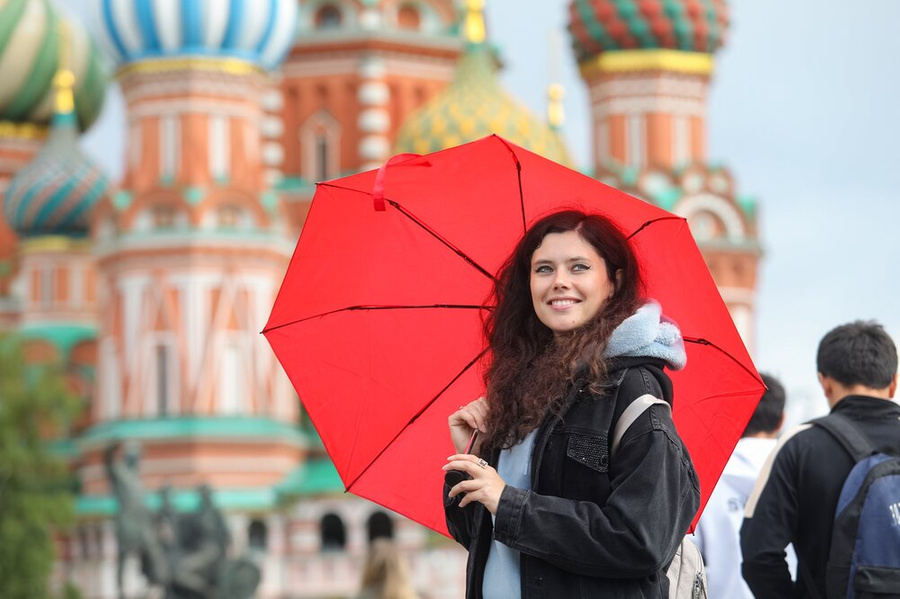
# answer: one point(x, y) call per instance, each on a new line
point(398, 160)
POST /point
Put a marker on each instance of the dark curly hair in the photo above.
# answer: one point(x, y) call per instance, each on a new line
point(530, 367)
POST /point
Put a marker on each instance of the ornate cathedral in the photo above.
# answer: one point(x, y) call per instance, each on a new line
point(151, 290)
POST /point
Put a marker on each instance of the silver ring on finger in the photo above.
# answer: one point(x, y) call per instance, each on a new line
point(482, 462)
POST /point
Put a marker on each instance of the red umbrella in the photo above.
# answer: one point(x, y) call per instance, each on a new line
point(378, 320)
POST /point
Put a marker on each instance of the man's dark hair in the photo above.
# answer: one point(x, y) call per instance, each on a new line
point(858, 353)
point(767, 417)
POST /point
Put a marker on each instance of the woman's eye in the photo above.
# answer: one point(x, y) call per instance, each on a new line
point(542, 269)
point(580, 266)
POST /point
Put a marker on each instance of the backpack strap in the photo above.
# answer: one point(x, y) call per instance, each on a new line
point(631, 413)
point(848, 434)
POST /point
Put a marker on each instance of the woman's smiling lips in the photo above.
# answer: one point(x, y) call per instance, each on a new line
point(563, 303)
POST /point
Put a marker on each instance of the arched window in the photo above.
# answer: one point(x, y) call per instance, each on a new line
point(169, 147)
point(163, 384)
point(163, 217)
point(258, 536)
point(48, 285)
point(162, 388)
point(229, 216)
point(334, 535)
point(233, 393)
point(380, 526)
point(322, 155)
point(637, 140)
point(408, 17)
point(110, 381)
point(219, 147)
point(320, 138)
point(328, 17)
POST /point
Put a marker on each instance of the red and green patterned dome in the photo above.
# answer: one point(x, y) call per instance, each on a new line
point(597, 26)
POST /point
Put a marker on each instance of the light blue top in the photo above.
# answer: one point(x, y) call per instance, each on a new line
point(502, 579)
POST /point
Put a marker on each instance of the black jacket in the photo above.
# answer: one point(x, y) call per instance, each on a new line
point(795, 501)
point(591, 527)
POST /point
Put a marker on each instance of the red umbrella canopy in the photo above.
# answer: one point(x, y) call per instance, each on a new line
point(378, 320)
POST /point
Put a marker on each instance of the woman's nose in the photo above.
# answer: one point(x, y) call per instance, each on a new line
point(560, 280)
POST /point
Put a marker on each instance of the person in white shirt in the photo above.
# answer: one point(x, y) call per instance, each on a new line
point(718, 531)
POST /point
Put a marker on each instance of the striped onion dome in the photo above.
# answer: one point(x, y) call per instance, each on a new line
point(258, 31)
point(54, 194)
point(691, 25)
point(475, 105)
point(29, 58)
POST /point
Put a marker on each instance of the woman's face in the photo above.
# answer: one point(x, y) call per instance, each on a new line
point(569, 283)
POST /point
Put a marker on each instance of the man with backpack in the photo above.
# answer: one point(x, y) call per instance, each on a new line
point(797, 497)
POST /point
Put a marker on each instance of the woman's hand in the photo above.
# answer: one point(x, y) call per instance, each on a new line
point(465, 421)
point(485, 485)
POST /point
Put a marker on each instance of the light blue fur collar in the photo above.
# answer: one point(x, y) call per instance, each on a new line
point(647, 333)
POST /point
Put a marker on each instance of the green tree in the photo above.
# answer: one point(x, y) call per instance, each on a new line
point(35, 487)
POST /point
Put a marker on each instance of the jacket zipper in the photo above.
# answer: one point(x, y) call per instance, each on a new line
point(698, 591)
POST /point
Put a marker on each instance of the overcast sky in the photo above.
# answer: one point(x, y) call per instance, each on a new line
point(804, 112)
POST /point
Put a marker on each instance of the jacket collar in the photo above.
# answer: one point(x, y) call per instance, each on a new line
point(865, 406)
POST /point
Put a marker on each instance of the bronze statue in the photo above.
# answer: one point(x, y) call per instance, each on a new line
point(134, 520)
point(185, 555)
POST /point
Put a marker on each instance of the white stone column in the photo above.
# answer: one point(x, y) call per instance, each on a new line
point(374, 119)
point(271, 131)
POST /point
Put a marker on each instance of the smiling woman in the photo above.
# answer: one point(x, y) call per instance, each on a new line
point(569, 282)
point(574, 345)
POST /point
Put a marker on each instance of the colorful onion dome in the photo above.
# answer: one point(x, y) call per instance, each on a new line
point(54, 194)
point(690, 25)
point(29, 58)
point(475, 105)
point(258, 31)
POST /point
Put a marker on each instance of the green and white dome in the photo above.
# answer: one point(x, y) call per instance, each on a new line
point(55, 193)
point(30, 50)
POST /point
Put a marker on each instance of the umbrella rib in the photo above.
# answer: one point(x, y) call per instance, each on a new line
point(419, 413)
point(519, 176)
point(331, 184)
point(434, 234)
point(655, 220)
point(701, 341)
point(373, 308)
point(429, 230)
point(521, 194)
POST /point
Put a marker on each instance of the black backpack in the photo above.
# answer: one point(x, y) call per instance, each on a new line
point(864, 561)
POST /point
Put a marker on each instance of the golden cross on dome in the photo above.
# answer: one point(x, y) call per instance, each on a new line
point(474, 24)
point(64, 80)
point(555, 112)
point(556, 115)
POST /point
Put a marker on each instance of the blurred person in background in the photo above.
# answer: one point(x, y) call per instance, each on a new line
point(385, 573)
point(718, 533)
